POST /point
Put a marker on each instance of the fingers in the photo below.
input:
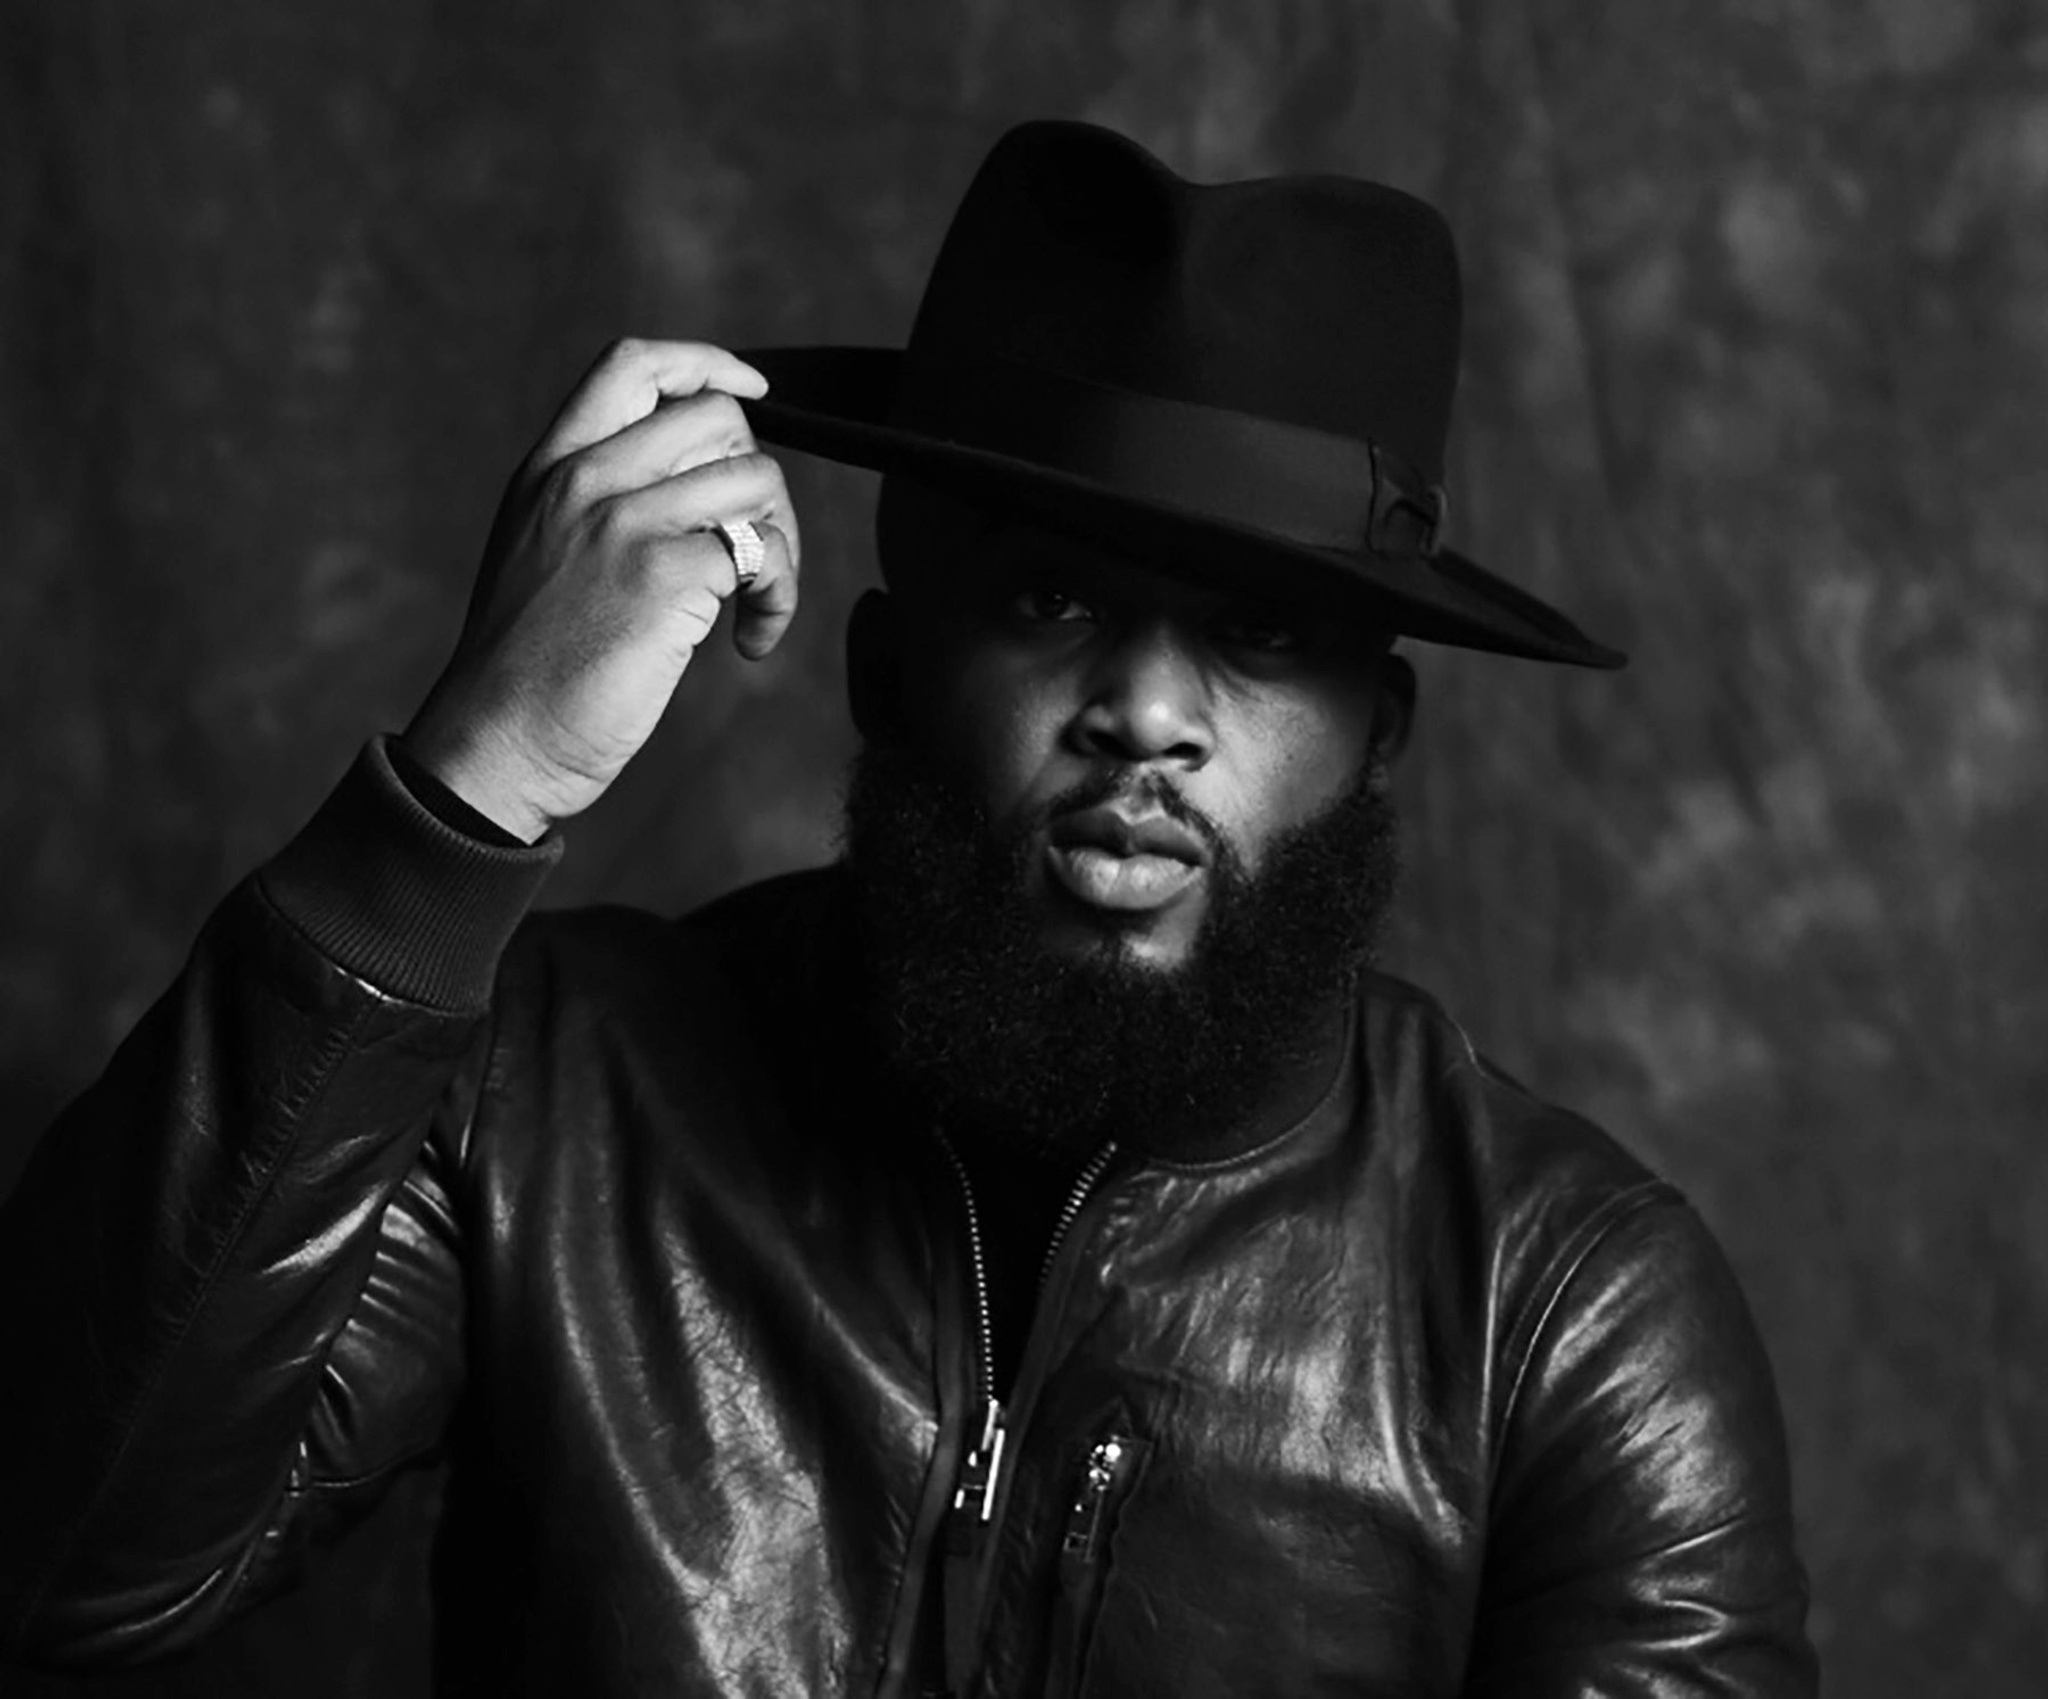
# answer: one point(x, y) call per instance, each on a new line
point(768, 604)
point(677, 517)
point(627, 383)
point(681, 436)
point(675, 437)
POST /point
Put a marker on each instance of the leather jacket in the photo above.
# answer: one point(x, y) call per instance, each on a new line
point(1439, 1392)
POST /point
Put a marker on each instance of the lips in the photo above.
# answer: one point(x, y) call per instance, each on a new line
point(1107, 827)
point(1111, 859)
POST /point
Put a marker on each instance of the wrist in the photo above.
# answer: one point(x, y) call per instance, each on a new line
point(489, 777)
point(380, 885)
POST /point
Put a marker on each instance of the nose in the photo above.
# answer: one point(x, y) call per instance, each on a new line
point(1147, 700)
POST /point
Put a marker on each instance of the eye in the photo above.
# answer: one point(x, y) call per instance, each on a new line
point(1046, 604)
point(1264, 630)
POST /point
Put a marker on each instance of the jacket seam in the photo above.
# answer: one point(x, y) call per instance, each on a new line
point(245, 1563)
point(279, 1510)
point(327, 1061)
point(486, 1062)
point(274, 1519)
point(369, 1477)
point(1558, 1275)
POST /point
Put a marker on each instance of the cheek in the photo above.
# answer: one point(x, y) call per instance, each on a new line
point(1292, 763)
point(992, 730)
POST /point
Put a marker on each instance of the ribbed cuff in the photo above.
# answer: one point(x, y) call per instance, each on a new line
point(397, 897)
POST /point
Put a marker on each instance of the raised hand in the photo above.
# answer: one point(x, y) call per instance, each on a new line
point(602, 576)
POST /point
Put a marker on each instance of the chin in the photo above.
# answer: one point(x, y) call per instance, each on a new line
point(1160, 942)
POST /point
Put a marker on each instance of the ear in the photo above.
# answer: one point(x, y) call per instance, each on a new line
point(1393, 716)
point(874, 667)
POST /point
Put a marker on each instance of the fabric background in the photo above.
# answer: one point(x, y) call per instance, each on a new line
point(1756, 383)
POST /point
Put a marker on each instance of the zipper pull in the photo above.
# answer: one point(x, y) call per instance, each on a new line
point(1084, 1520)
point(974, 1504)
point(1105, 1486)
point(980, 1472)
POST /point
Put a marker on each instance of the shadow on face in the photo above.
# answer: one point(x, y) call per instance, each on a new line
point(1031, 667)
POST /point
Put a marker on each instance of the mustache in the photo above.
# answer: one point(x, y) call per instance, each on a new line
point(1146, 793)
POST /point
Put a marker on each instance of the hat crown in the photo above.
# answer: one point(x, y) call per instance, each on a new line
point(1232, 380)
point(1324, 302)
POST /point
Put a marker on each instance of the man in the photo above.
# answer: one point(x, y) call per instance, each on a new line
point(1035, 1256)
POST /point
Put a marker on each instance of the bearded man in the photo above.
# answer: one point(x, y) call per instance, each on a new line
point(1036, 1255)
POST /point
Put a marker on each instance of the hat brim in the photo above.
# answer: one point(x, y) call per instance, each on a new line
point(837, 402)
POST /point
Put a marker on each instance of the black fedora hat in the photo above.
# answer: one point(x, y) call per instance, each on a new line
point(1247, 381)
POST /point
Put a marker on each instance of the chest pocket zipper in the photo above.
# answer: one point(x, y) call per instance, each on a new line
point(1107, 1476)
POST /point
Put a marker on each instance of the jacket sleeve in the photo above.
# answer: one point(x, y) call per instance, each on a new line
point(230, 1279)
point(1641, 1533)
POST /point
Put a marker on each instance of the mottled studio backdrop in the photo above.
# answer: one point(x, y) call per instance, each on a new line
point(1757, 380)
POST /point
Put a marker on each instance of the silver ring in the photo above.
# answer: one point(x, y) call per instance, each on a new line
point(749, 553)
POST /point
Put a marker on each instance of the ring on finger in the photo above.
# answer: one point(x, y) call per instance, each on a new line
point(749, 553)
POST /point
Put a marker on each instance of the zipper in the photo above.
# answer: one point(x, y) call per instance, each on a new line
point(981, 1470)
point(975, 1497)
point(1082, 1542)
point(1107, 1477)
point(1071, 1209)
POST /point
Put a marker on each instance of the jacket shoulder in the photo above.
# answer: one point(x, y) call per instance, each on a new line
point(721, 997)
point(1527, 1188)
point(1470, 1111)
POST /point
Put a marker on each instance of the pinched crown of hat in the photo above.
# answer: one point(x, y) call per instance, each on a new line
point(1232, 379)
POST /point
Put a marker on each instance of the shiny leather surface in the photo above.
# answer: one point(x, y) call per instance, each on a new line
point(1444, 1396)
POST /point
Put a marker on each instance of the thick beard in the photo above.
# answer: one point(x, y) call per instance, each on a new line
point(1056, 1053)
